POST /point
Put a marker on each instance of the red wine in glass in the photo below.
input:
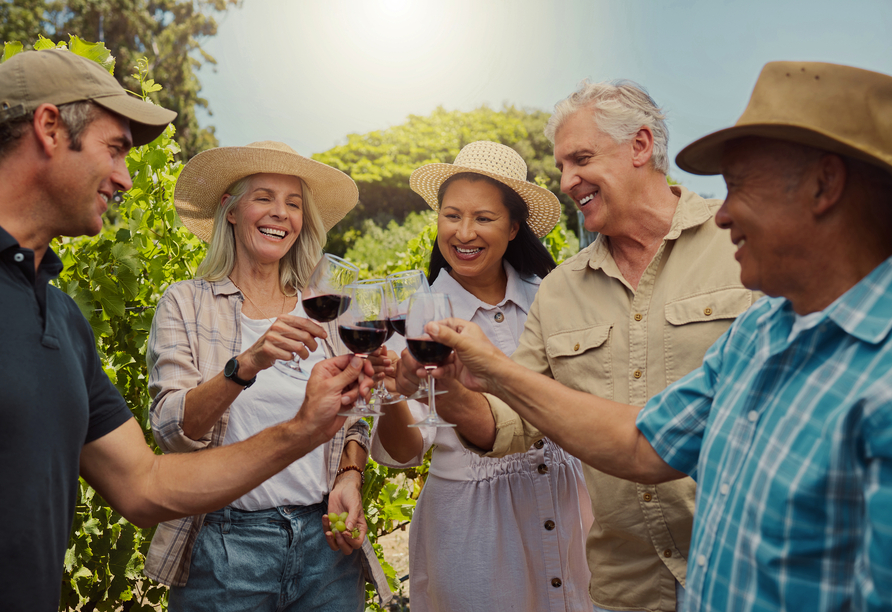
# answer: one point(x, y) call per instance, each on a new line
point(427, 352)
point(325, 308)
point(364, 337)
point(398, 324)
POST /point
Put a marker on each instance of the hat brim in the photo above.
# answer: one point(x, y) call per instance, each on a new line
point(544, 207)
point(704, 156)
point(205, 179)
point(147, 121)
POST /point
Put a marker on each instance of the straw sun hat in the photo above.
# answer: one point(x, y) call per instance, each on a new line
point(209, 174)
point(498, 162)
point(833, 108)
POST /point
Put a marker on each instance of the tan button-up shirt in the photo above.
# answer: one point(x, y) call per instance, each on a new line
point(589, 330)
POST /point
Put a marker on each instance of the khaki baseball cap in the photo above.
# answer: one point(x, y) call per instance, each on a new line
point(834, 108)
point(58, 76)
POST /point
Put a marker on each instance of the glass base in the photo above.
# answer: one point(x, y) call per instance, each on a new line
point(292, 369)
point(432, 420)
point(361, 411)
point(421, 394)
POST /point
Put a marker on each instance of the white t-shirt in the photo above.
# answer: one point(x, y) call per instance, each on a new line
point(276, 397)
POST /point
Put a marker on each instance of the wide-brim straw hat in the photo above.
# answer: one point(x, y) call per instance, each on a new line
point(498, 162)
point(209, 174)
point(833, 108)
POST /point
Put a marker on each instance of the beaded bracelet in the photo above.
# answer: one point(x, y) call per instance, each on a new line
point(355, 469)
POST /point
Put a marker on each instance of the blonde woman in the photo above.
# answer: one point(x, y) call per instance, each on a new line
point(212, 355)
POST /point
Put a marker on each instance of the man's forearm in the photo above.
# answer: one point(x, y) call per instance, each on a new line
point(470, 412)
point(600, 432)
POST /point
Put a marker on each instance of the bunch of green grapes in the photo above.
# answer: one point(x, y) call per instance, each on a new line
point(338, 524)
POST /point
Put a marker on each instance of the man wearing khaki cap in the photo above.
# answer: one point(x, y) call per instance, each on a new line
point(787, 425)
point(66, 127)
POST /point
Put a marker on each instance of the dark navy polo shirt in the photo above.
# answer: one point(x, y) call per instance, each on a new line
point(54, 398)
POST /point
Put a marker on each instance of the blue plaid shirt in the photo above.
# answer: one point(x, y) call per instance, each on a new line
point(790, 442)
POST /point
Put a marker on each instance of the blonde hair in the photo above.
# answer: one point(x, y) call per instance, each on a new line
point(620, 109)
point(295, 267)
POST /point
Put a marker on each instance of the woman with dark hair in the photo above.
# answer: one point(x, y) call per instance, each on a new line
point(489, 534)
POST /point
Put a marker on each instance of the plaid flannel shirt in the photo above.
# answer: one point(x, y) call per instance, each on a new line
point(196, 330)
point(790, 442)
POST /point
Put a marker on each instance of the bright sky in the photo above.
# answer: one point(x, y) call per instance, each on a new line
point(310, 72)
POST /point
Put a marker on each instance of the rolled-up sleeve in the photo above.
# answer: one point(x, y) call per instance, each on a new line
point(172, 373)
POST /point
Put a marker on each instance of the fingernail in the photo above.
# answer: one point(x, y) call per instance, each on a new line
point(356, 362)
point(434, 328)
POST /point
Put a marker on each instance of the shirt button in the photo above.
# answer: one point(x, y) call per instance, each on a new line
point(647, 497)
point(556, 582)
point(724, 488)
point(701, 560)
point(667, 553)
point(707, 311)
point(638, 316)
point(499, 317)
point(542, 469)
point(539, 443)
point(752, 416)
point(549, 525)
point(18, 257)
point(637, 373)
point(576, 348)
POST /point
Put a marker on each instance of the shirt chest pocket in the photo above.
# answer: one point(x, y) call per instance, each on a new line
point(581, 359)
point(694, 323)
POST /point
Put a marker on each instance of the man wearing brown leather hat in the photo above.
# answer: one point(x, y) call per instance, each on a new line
point(787, 425)
point(66, 127)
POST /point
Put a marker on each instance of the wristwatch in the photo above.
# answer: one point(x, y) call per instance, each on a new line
point(230, 371)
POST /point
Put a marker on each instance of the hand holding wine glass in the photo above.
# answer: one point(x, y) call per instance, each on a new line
point(425, 308)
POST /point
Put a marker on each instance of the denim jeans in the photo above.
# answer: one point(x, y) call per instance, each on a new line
point(275, 560)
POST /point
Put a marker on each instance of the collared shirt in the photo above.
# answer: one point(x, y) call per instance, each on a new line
point(789, 436)
point(196, 330)
point(54, 399)
point(589, 330)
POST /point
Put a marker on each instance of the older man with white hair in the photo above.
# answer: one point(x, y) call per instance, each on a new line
point(787, 424)
point(630, 314)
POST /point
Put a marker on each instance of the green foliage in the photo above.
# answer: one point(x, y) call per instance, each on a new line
point(381, 161)
point(380, 251)
point(169, 33)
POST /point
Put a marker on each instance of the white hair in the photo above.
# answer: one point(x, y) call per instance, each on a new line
point(295, 267)
point(620, 109)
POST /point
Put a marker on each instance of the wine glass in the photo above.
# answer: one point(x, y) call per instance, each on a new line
point(404, 285)
point(321, 300)
point(380, 395)
point(423, 309)
point(362, 326)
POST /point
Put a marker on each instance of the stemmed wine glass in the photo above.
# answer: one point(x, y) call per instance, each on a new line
point(322, 300)
point(404, 285)
point(362, 326)
point(423, 309)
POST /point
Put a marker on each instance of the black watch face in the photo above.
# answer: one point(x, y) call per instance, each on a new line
point(231, 368)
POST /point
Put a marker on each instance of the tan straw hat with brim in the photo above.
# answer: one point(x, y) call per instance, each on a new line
point(209, 174)
point(833, 108)
point(58, 76)
point(498, 162)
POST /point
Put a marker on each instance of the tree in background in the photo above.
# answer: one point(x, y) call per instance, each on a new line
point(168, 33)
point(381, 161)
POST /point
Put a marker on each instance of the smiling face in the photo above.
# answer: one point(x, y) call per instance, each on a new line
point(596, 172)
point(268, 218)
point(767, 212)
point(474, 228)
point(84, 181)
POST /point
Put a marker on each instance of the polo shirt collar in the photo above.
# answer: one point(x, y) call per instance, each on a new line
point(691, 211)
point(465, 305)
point(50, 266)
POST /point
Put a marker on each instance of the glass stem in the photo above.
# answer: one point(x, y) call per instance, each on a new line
point(431, 394)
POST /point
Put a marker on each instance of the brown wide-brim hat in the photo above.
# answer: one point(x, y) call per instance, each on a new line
point(833, 108)
point(498, 162)
point(58, 76)
point(207, 176)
